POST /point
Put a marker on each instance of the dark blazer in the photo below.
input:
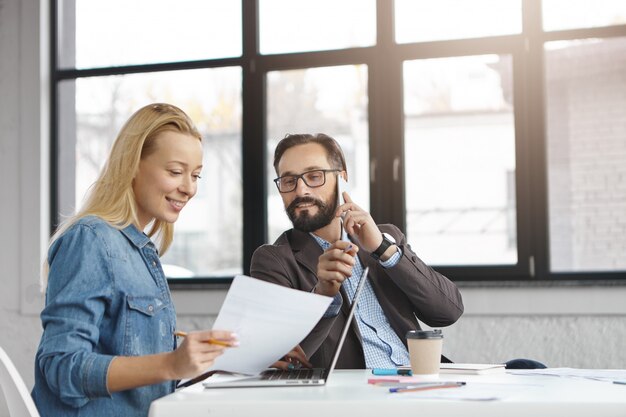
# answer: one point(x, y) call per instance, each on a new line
point(408, 290)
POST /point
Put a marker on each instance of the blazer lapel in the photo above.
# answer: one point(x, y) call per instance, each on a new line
point(305, 249)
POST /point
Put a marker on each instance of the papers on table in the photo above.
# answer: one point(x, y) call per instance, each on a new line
point(472, 391)
point(269, 319)
point(467, 368)
point(440, 388)
point(608, 375)
point(471, 368)
point(490, 391)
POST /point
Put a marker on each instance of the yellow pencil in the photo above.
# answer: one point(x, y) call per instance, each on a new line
point(210, 341)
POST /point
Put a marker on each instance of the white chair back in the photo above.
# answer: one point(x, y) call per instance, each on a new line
point(18, 399)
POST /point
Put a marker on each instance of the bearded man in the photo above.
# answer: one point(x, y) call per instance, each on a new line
point(328, 248)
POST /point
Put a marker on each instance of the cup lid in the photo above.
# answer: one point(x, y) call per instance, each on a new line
point(424, 334)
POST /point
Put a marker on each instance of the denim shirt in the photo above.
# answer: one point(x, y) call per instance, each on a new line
point(107, 296)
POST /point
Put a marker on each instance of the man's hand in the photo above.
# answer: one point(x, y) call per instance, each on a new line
point(334, 266)
point(359, 224)
point(296, 358)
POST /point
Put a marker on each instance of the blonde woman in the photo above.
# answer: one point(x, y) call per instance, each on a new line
point(108, 344)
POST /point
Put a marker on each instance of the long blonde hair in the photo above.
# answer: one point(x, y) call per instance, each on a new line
point(111, 197)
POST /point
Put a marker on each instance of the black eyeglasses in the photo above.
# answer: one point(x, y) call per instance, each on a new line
point(312, 179)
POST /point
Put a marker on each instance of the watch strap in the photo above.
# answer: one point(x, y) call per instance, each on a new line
point(382, 248)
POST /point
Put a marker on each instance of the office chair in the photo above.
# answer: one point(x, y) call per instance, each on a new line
point(18, 399)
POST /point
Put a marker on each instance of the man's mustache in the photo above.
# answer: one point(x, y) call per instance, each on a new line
point(303, 200)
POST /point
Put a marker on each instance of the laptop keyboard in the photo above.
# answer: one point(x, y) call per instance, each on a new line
point(273, 375)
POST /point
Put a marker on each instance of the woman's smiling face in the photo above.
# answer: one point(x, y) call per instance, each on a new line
point(167, 178)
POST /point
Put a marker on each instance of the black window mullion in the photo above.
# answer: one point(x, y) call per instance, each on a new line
point(54, 116)
point(386, 123)
point(523, 166)
point(537, 171)
point(253, 138)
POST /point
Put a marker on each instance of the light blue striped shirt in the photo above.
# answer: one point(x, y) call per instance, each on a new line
point(381, 345)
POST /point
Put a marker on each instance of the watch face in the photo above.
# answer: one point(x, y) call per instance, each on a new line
point(389, 237)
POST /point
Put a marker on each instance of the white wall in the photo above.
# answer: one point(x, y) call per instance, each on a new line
point(572, 326)
point(580, 327)
point(21, 168)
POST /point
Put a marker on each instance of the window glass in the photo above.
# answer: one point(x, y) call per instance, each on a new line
point(330, 100)
point(208, 233)
point(460, 160)
point(118, 32)
point(302, 25)
point(574, 14)
point(586, 133)
point(420, 20)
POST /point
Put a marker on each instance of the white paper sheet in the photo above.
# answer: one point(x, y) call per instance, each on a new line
point(269, 319)
point(473, 391)
point(608, 375)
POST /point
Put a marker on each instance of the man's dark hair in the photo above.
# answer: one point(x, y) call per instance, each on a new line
point(333, 150)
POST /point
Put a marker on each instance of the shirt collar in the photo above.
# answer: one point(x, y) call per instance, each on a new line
point(136, 237)
point(324, 244)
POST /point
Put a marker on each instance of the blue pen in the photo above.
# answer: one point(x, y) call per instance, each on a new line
point(383, 371)
point(620, 382)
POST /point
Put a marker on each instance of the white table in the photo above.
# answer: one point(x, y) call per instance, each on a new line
point(348, 394)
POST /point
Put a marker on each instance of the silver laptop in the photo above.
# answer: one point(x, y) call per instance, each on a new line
point(296, 377)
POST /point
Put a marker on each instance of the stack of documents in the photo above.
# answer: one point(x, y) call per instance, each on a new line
point(471, 368)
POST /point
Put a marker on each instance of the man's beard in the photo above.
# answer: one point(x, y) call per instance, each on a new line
point(307, 223)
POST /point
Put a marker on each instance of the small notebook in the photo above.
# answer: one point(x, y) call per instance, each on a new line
point(471, 368)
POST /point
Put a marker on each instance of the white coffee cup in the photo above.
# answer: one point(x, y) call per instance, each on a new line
point(425, 351)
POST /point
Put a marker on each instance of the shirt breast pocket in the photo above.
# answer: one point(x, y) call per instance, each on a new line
point(147, 326)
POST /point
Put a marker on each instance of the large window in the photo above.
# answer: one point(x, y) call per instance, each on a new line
point(460, 205)
point(490, 131)
point(586, 139)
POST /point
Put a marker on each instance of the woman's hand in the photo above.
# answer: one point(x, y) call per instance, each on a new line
point(198, 351)
point(191, 359)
